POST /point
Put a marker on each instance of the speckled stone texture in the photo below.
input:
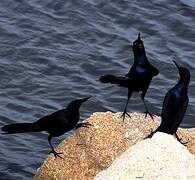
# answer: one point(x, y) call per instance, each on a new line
point(161, 157)
point(91, 150)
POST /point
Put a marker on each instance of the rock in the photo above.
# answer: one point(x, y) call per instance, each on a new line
point(91, 150)
point(161, 157)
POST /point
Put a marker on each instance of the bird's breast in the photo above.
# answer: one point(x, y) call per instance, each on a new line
point(140, 70)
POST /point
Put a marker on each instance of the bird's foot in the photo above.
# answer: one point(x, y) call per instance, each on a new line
point(147, 112)
point(183, 143)
point(151, 134)
point(56, 154)
point(86, 124)
point(123, 115)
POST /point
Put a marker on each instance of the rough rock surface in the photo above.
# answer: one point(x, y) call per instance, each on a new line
point(161, 157)
point(91, 150)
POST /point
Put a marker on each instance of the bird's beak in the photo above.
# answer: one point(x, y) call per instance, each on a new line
point(139, 38)
point(85, 99)
point(178, 67)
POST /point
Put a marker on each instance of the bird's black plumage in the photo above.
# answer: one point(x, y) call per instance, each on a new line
point(55, 124)
point(139, 76)
point(175, 103)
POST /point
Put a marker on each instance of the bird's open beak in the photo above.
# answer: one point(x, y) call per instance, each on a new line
point(85, 99)
point(178, 67)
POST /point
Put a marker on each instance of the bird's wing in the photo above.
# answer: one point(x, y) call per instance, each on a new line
point(136, 71)
point(150, 68)
point(53, 119)
point(169, 111)
point(180, 115)
point(154, 71)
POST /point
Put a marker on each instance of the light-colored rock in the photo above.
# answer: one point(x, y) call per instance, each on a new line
point(161, 157)
point(91, 150)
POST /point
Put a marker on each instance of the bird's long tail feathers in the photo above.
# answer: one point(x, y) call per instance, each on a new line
point(19, 128)
point(114, 79)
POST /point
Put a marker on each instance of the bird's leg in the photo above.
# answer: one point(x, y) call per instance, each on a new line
point(146, 112)
point(125, 110)
point(179, 139)
point(85, 124)
point(56, 154)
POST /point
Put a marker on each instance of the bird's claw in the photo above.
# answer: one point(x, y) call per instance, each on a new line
point(183, 143)
point(85, 124)
point(147, 112)
point(151, 134)
point(125, 113)
point(56, 154)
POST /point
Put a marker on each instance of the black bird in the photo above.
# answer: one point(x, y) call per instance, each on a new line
point(139, 76)
point(56, 124)
point(175, 104)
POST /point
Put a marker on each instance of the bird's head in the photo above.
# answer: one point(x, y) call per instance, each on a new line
point(138, 46)
point(77, 103)
point(184, 73)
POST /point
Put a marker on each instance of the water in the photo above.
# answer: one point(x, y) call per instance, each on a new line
point(52, 52)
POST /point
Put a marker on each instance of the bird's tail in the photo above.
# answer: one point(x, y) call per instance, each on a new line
point(20, 128)
point(114, 79)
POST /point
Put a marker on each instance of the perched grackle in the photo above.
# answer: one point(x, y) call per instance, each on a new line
point(139, 76)
point(56, 124)
point(175, 104)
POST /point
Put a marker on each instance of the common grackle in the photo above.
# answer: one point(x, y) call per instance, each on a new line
point(55, 124)
point(175, 104)
point(139, 76)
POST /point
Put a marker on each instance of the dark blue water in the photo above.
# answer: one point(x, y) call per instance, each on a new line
point(52, 52)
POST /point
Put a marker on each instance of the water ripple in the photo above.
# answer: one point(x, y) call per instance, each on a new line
point(54, 51)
